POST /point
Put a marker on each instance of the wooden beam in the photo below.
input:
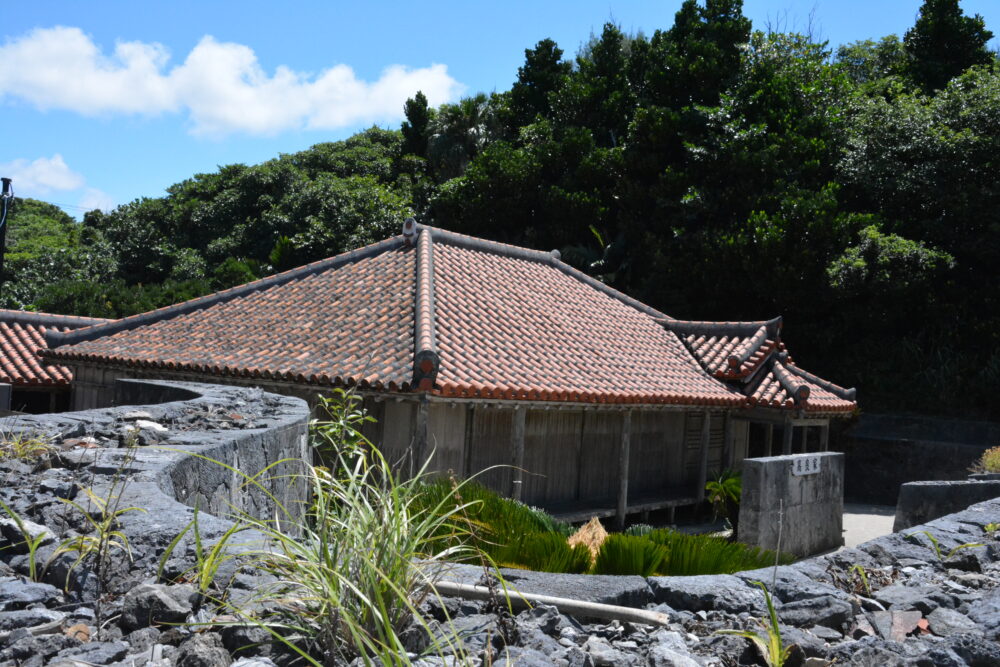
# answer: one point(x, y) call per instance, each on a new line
point(517, 444)
point(824, 437)
point(769, 440)
point(623, 455)
point(786, 444)
point(706, 426)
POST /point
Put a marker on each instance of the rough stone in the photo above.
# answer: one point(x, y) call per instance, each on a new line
point(605, 655)
point(661, 655)
point(707, 592)
point(94, 653)
point(151, 604)
point(825, 610)
point(922, 598)
point(789, 584)
point(16, 593)
point(203, 650)
point(29, 618)
point(14, 534)
point(946, 622)
point(985, 612)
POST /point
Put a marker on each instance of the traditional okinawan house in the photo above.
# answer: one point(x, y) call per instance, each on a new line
point(34, 386)
point(488, 355)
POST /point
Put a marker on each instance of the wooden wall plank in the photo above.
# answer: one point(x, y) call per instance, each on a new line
point(551, 452)
point(446, 438)
point(597, 482)
point(489, 445)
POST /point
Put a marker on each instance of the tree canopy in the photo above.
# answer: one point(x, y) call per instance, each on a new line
point(713, 171)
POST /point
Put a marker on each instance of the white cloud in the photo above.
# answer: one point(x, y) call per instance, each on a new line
point(93, 198)
point(220, 85)
point(41, 176)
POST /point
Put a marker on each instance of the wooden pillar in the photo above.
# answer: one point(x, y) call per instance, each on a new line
point(786, 445)
point(727, 442)
point(623, 455)
point(769, 441)
point(419, 435)
point(805, 439)
point(517, 444)
point(470, 422)
point(706, 426)
point(824, 437)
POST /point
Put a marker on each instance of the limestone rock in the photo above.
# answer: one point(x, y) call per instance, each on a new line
point(149, 604)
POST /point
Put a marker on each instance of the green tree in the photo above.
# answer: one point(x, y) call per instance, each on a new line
point(944, 42)
point(543, 73)
point(458, 133)
point(415, 127)
point(868, 61)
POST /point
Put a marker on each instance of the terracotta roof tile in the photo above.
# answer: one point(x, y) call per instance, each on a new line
point(22, 335)
point(462, 317)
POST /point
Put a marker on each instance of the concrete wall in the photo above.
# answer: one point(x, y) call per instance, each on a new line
point(807, 509)
point(886, 451)
point(920, 502)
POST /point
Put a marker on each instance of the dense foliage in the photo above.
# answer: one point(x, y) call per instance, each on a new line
point(514, 535)
point(710, 170)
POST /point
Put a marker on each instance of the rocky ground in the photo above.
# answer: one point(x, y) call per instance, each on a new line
point(920, 601)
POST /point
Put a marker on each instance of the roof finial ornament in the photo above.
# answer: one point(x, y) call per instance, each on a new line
point(556, 254)
point(410, 231)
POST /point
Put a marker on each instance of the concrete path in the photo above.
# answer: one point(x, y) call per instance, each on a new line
point(864, 522)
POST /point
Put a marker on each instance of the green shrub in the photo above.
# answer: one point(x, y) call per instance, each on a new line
point(990, 461)
point(543, 552)
point(630, 554)
point(705, 554)
point(495, 522)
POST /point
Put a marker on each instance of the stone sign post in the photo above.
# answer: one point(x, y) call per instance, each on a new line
point(800, 497)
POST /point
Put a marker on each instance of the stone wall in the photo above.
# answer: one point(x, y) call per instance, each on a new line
point(193, 438)
point(799, 497)
point(920, 502)
point(885, 451)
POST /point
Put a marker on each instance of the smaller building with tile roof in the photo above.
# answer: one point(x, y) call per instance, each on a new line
point(486, 354)
point(35, 387)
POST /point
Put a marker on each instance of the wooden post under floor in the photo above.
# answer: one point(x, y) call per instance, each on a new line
point(786, 445)
point(769, 440)
point(623, 455)
point(517, 440)
point(706, 426)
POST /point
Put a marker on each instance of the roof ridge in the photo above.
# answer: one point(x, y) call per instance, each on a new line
point(551, 258)
point(57, 339)
point(688, 327)
point(798, 392)
point(747, 348)
point(426, 359)
point(49, 319)
point(835, 389)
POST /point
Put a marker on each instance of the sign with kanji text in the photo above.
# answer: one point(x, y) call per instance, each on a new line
point(806, 465)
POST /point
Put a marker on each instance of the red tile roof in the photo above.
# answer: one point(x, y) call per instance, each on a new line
point(22, 335)
point(750, 355)
point(431, 311)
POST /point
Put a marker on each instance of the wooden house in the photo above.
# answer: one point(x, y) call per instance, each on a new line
point(35, 387)
point(488, 355)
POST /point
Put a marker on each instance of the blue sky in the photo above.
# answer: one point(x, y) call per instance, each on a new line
point(104, 102)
